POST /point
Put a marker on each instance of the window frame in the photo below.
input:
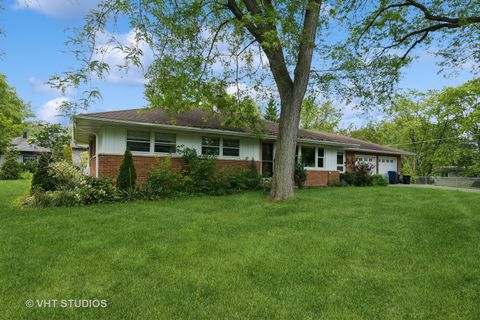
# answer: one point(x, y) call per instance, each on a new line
point(171, 144)
point(221, 146)
point(230, 148)
point(139, 141)
point(343, 161)
point(298, 153)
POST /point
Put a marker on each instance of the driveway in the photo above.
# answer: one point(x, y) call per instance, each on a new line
point(430, 186)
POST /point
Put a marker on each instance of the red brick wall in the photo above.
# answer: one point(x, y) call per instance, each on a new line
point(108, 165)
point(321, 178)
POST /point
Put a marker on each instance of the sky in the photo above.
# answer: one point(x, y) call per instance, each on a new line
point(34, 49)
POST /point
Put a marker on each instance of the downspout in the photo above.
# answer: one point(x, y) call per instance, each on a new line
point(96, 155)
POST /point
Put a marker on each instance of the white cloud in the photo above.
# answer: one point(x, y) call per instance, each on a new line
point(107, 50)
point(49, 111)
point(58, 8)
point(41, 87)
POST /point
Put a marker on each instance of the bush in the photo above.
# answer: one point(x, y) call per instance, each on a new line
point(163, 180)
point(11, 168)
point(30, 166)
point(42, 180)
point(93, 190)
point(62, 198)
point(127, 176)
point(65, 176)
point(200, 171)
point(300, 174)
point(378, 180)
point(360, 177)
point(347, 178)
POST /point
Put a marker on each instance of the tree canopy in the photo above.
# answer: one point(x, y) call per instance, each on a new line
point(320, 117)
point(13, 112)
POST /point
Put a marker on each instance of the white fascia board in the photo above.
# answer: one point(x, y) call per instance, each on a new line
point(381, 151)
point(209, 131)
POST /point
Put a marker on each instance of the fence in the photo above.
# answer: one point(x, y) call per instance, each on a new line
point(449, 181)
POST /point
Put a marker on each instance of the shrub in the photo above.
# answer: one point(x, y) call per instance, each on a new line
point(42, 180)
point(362, 174)
point(127, 175)
point(200, 170)
point(93, 190)
point(63, 198)
point(65, 175)
point(30, 166)
point(347, 178)
point(11, 168)
point(300, 174)
point(378, 180)
point(163, 180)
point(338, 183)
point(67, 153)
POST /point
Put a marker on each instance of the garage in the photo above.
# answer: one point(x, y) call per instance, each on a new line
point(386, 164)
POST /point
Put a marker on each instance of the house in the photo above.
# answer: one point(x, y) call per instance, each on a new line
point(152, 133)
point(30, 151)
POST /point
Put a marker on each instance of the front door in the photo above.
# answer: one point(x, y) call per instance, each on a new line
point(267, 159)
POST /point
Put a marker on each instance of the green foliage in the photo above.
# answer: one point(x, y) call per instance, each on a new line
point(199, 171)
point(300, 174)
point(321, 117)
point(93, 190)
point(53, 136)
point(164, 180)
point(42, 180)
point(127, 175)
point(361, 175)
point(13, 112)
point(11, 168)
point(271, 111)
point(67, 153)
point(65, 176)
point(378, 180)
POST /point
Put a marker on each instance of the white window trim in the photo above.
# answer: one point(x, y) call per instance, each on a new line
point(316, 168)
point(344, 160)
point(152, 144)
point(220, 152)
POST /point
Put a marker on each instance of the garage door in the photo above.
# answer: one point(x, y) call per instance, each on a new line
point(372, 160)
point(386, 164)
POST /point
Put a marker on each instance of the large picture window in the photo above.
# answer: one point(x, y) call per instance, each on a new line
point(308, 156)
point(138, 140)
point(165, 142)
point(211, 146)
point(231, 147)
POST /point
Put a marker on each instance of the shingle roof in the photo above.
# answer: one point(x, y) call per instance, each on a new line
point(21, 144)
point(200, 119)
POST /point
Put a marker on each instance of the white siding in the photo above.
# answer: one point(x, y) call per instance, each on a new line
point(113, 140)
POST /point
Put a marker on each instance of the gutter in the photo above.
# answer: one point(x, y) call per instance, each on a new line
point(382, 151)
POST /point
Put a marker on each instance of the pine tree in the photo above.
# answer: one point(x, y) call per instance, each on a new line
point(271, 111)
point(11, 168)
point(127, 175)
point(42, 180)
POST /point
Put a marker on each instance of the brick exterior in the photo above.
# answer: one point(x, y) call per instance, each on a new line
point(109, 165)
point(92, 159)
point(321, 178)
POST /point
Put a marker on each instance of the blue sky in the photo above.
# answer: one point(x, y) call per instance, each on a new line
point(34, 44)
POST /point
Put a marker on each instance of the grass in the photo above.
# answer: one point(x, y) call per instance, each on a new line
point(338, 253)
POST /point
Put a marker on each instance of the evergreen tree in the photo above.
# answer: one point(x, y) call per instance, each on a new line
point(271, 111)
point(41, 179)
point(11, 168)
point(127, 175)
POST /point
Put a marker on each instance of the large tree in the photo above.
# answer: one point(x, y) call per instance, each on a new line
point(320, 116)
point(13, 112)
point(203, 47)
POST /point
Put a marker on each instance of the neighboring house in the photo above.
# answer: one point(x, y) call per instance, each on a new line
point(30, 151)
point(27, 151)
point(152, 134)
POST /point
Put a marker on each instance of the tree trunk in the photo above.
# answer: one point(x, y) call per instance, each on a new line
point(282, 180)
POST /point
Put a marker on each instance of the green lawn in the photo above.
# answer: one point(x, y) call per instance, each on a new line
point(337, 253)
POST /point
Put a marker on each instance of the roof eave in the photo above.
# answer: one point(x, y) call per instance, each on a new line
point(209, 130)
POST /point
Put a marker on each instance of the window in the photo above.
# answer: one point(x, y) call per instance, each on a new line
point(211, 145)
point(29, 157)
point(165, 142)
point(231, 147)
point(308, 156)
point(340, 161)
point(321, 157)
point(138, 140)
